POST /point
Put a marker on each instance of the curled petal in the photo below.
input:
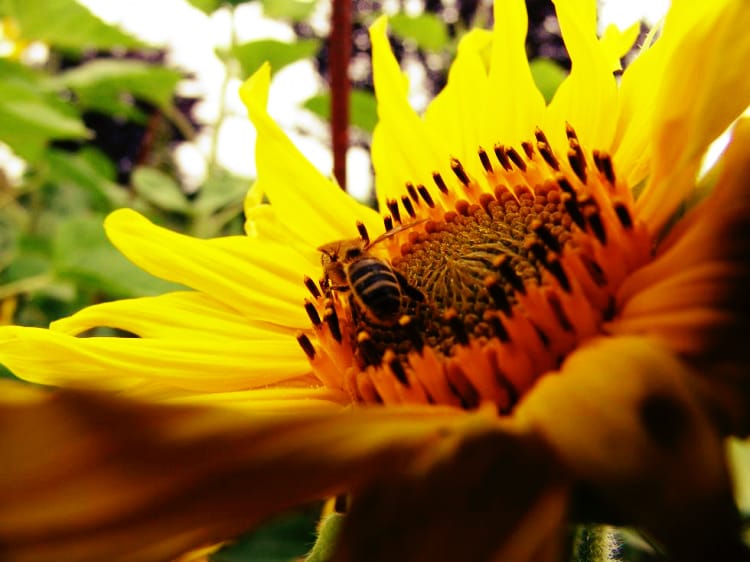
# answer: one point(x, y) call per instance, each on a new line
point(493, 496)
point(653, 454)
point(686, 115)
point(693, 295)
point(88, 477)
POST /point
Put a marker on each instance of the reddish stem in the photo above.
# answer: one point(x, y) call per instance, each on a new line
point(339, 53)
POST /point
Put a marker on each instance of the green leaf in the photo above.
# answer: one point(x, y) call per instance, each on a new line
point(85, 170)
point(30, 116)
point(205, 6)
point(252, 55)
point(362, 105)
point(325, 546)
point(219, 191)
point(210, 6)
point(102, 84)
point(66, 24)
point(294, 10)
point(427, 30)
point(282, 540)
point(548, 76)
point(83, 253)
point(159, 189)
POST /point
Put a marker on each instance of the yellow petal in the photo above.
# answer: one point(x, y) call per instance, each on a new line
point(632, 144)
point(173, 315)
point(197, 364)
point(652, 454)
point(693, 294)
point(308, 204)
point(260, 278)
point(697, 100)
point(262, 221)
point(517, 106)
point(282, 399)
point(617, 43)
point(405, 150)
point(459, 114)
point(587, 98)
point(87, 478)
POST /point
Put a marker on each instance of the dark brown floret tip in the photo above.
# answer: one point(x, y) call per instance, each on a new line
point(312, 287)
point(392, 205)
point(332, 319)
point(594, 220)
point(623, 215)
point(502, 157)
point(548, 156)
point(554, 266)
point(603, 162)
point(559, 312)
point(570, 132)
point(425, 194)
point(565, 185)
point(457, 326)
point(368, 351)
point(516, 159)
point(412, 191)
point(397, 368)
point(528, 149)
point(363, 234)
point(306, 345)
point(440, 182)
point(571, 206)
point(498, 328)
point(312, 313)
point(578, 164)
point(388, 223)
point(505, 267)
point(406, 202)
point(497, 293)
point(546, 236)
point(485, 160)
point(461, 174)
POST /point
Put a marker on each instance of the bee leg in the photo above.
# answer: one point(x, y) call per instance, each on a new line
point(409, 290)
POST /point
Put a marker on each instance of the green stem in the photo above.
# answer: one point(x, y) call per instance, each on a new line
point(181, 123)
point(229, 64)
point(25, 285)
point(594, 543)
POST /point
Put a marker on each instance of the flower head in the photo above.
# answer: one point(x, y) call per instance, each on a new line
point(533, 289)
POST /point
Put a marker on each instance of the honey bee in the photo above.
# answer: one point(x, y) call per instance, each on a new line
point(376, 287)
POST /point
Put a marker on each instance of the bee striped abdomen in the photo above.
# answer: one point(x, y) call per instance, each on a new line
point(375, 287)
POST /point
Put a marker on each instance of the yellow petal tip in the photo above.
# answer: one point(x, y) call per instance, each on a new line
point(254, 91)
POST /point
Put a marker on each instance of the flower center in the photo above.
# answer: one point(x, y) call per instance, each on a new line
point(479, 289)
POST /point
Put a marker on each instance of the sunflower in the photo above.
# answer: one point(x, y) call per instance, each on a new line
point(547, 319)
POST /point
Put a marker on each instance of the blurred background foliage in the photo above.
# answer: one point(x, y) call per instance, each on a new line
point(92, 117)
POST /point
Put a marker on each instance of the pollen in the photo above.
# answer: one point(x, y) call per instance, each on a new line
point(479, 285)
